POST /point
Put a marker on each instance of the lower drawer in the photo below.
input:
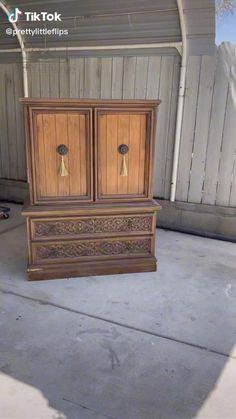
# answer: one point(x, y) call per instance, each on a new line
point(74, 250)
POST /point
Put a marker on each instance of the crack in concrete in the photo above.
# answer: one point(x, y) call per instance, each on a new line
point(116, 323)
point(86, 407)
point(11, 228)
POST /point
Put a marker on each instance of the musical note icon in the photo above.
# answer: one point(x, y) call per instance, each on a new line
point(13, 17)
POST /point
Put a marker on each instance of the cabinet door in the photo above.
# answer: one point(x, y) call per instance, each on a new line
point(58, 178)
point(123, 176)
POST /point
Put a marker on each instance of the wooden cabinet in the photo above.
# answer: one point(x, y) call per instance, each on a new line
point(90, 209)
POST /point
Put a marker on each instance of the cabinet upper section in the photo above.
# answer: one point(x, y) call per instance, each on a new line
point(89, 150)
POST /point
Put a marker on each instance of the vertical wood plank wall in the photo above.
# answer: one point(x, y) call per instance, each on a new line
point(207, 165)
point(12, 140)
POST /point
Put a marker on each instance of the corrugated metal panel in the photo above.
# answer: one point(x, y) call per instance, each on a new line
point(109, 22)
point(91, 7)
point(34, 56)
point(105, 22)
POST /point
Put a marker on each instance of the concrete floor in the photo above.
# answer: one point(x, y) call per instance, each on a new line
point(142, 346)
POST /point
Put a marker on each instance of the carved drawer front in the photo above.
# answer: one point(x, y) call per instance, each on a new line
point(74, 227)
point(54, 252)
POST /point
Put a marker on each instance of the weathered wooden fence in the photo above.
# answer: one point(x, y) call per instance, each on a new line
point(12, 139)
point(207, 170)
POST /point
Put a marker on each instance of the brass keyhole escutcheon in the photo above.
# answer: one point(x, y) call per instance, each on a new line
point(62, 149)
point(123, 149)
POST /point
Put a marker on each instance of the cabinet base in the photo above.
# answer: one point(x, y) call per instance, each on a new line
point(105, 267)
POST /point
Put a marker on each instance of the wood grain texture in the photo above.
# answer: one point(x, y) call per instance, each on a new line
point(61, 128)
point(129, 77)
point(76, 74)
point(19, 135)
point(54, 71)
point(70, 129)
point(117, 77)
point(64, 78)
point(106, 78)
point(98, 267)
point(12, 141)
point(44, 78)
point(49, 169)
point(141, 78)
point(202, 129)
point(4, 157)
point(165, 93)
point(171, 127)
point(34, 80)
point(188, 128)
point(98, 208)
point(92, 79)
point(11, 120)
point(153, 77)
point(217, 121)
point(228, 157)
point(114, 129)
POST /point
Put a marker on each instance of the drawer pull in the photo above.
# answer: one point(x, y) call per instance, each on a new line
point(62, 149)
point(123, 150)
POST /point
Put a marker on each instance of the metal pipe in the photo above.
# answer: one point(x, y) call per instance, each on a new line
point(182, 83)
point(23, 51)
point(10, 50)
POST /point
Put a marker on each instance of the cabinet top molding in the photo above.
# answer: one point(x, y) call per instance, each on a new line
point(89, 102)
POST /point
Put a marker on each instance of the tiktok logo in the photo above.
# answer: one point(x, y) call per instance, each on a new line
point(13, 17)
point(34, 17)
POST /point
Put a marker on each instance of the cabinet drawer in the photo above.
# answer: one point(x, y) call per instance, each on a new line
point(69, 251)
point(42, 229)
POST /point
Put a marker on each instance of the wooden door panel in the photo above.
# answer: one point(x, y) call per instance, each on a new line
point(61, 137)
point(113, 129)
point(77, 166)
point(72, 129)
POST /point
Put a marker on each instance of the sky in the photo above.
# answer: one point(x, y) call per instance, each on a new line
point(226, 28)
